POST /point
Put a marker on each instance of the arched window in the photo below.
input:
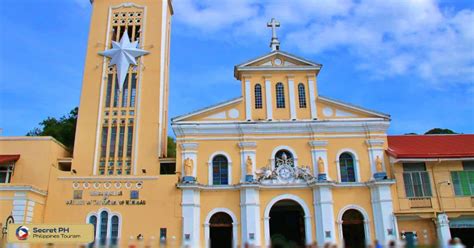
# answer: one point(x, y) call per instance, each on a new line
point(346, 167)
point(115, 229)
point(280, 95)
point(93, 221)
point(106, 227)
point(258, 96)
point(284, 157)
point(104, 218)
point(302, 95)
point(220, 171)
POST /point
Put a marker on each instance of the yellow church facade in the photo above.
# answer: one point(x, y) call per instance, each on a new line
point(283, 150)
point(278, 165)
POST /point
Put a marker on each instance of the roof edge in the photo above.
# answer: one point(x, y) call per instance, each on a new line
point(31, 138)
point(355, 107)
point(206, 109)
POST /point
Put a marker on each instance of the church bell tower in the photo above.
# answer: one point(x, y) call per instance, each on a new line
point(122, 124)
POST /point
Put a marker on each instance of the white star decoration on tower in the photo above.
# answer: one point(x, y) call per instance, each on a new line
point(123, 54)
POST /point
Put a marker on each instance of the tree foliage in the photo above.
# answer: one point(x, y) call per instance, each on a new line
point(171, 148)
point(440, 131)
point(62, 129)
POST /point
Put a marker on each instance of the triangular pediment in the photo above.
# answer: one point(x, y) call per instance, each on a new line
point(278, 59)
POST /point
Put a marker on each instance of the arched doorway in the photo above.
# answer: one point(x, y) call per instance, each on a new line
point(220, 226)
point(287, 224)
point(353, 230)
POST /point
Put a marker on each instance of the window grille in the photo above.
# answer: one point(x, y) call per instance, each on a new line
point(258, 96)
point(301, 95)
point(280, 95)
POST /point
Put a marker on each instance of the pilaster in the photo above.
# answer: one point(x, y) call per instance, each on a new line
point(191, 214)
point(382, 207)
point(291, 90)
point(268, 97)
point(324, 213)
point(248, 99)
point(250, 214)
point(312, 96)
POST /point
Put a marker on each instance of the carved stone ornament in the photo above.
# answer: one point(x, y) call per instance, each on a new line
point(284, 174)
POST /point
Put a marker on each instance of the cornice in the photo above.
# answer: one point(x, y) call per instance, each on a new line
point(279, 127)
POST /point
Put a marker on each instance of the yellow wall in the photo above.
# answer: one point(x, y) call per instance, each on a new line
point(37, 156)
point(424, 228)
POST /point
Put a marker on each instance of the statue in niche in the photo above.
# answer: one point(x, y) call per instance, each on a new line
point(188, 167)
point(320, 165)
point(248, 165)
point(379, 173)
point(378, 164)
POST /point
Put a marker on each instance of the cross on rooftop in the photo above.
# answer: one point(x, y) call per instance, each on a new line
point(275, 43)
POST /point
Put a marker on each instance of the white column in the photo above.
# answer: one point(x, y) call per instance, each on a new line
point(189, 150)
point(382, 207)
point(268, 98)
point(291, 90)
point(324, 213)
point(250, 215)
point(247, 149)
point(442, 229)
point(191, 216)
point(318, 150)
point(312, 97)
point(248, 99)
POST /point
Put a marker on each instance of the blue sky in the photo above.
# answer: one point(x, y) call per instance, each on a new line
point(411, 59)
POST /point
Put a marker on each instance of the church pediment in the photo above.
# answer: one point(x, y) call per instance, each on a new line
point(277, 60)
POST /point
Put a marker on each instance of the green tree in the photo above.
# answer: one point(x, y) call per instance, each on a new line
point(171, 148)
point(62, 129)
point(440, 131)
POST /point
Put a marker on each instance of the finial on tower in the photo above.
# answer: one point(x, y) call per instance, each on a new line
point(275, 43)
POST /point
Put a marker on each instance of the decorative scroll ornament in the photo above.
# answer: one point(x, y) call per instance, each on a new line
point(122, 55)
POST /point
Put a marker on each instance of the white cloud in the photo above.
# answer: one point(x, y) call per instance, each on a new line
point(388, 38)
